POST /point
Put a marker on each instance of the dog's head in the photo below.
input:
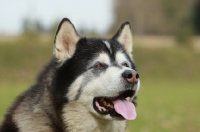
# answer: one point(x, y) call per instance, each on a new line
point(99, 74)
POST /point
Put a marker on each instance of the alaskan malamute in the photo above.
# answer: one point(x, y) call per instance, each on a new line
point(88, 86)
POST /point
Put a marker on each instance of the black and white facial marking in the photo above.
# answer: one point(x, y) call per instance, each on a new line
point(107, 74)
point(98, 74)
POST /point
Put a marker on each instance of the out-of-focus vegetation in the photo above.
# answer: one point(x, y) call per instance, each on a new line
point(167, 106)
point(168, 99)
point(178, 18)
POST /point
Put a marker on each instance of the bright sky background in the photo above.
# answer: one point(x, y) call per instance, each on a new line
point(90, 14)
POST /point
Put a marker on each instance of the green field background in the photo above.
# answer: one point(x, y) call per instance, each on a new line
point(169, 98)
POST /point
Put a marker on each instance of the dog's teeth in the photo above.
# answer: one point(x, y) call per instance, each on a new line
point(128, 98)
point(103, 109)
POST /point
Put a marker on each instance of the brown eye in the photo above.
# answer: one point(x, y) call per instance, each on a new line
point(125, 64)
point(98, 65)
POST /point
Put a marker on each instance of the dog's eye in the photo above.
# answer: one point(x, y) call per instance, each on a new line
point(125, 64)
point(99, 65)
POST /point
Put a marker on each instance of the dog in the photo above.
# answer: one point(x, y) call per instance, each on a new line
point(88, 86)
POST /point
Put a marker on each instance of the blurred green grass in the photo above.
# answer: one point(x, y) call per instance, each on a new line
point(168, 100)
point(8, 93)
point(167, 107)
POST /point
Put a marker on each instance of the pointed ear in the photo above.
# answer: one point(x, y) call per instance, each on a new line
point(65, 40)
point(124, 37)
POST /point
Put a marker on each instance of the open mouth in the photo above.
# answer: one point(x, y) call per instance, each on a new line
point(118, 107)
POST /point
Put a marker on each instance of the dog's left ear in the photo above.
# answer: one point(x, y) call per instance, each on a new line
point(124, 37)
point(65, 41)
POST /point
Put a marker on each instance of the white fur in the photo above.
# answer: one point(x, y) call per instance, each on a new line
point(74, 88)
point(103, 57)
point(137, 87)
point(121, 58)
point(108, 46)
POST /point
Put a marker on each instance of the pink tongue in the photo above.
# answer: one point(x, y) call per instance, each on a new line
point(125, 108)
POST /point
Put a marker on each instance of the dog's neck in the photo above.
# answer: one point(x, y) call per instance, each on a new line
point(77, 119)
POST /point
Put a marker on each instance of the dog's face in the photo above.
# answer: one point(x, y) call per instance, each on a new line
point(100, 73)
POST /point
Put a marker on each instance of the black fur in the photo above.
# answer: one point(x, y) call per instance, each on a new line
point(55, 80)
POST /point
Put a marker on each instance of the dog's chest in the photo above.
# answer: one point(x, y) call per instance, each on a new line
point(82, 121)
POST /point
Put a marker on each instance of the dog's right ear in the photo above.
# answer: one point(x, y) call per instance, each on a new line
point(65, 41)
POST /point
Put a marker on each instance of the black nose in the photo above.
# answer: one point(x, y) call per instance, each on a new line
point(131, 76)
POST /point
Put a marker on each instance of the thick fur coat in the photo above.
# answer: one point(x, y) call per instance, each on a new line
point(88, 86)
